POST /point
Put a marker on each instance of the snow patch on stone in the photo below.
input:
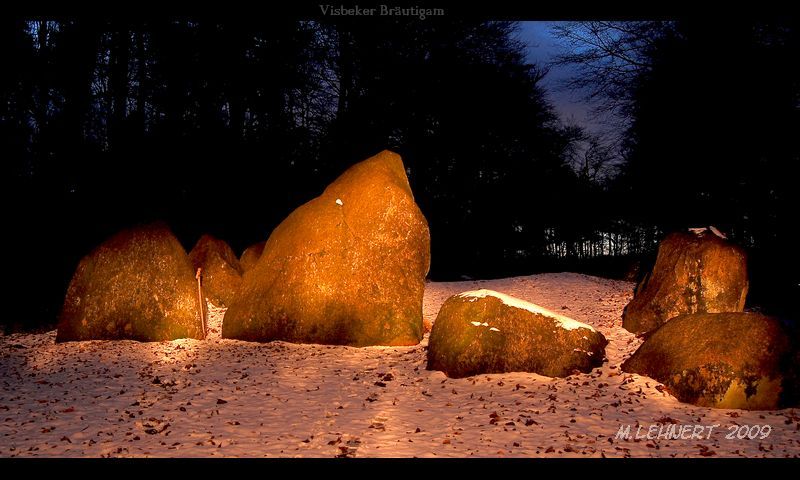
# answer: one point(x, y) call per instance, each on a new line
point(565, 322)
point(710, 228)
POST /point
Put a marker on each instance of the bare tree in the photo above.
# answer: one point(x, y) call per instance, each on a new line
point(598, 160)
point(609, 56)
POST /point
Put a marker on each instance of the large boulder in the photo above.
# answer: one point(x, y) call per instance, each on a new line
point(346, 268)
point(723, 360)
point(221, 274)
point(694, 272)
point(251, 255)
point(138, 285)
point(489, 332)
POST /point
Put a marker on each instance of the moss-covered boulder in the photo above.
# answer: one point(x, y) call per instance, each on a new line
point(138, 285)
point(489, 332)
point(694, 272)
point(723, 360)
point(347, 268)
point(251, 255)
point(221, 274)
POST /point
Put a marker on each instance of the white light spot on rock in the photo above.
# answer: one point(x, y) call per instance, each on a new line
point(493, 329)
point(477, 324)
point(339, 202)
point(564, 322)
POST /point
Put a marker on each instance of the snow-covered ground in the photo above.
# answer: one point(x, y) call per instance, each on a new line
point(231, 398)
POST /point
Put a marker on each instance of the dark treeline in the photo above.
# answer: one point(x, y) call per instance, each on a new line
point(712, 132)
point(224, 127)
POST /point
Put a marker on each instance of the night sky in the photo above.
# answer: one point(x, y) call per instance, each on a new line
point(543, 47)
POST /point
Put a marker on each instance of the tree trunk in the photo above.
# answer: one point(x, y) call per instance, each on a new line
point(141, 80)
point(44, 75)
point(345, 72)
point(120, 55)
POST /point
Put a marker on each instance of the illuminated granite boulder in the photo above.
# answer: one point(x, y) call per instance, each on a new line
point(694, 272)
point(346, 268)
point(251, 255)
point(489, 332)
point(723, 360)
point(221, 274)
point(138, 285)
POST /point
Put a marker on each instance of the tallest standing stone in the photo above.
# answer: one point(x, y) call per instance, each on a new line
point(346, 268)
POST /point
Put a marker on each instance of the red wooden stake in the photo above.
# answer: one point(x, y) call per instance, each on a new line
point(198, 276)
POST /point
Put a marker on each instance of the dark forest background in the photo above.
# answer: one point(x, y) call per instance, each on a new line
point(224, 127)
